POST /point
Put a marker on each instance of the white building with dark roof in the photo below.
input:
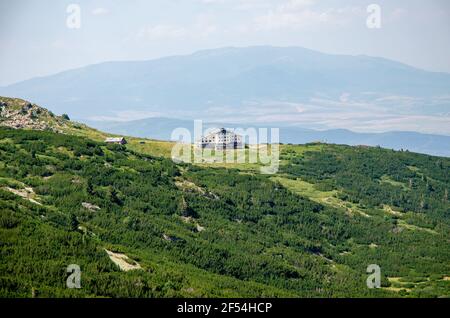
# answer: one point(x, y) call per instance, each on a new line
point(220, 139)
point(118, 140)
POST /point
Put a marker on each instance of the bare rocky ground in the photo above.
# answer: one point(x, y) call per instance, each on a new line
point(16, 113)
point(124, 262)
point(26, 193)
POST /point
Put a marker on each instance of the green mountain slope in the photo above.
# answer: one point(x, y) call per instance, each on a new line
point(198, 231)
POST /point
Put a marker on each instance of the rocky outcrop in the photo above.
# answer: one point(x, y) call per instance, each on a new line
point(20, 114)
point(91, 207)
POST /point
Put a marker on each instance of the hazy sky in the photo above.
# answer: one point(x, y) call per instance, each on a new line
point(35, 39)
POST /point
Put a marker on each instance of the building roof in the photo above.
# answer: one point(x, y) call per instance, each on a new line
point(114, 139)
point(220, 131)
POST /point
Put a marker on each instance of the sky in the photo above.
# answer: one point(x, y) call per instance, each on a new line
point(36, 39)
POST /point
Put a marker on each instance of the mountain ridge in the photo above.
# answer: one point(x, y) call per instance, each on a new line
point(206, 51)
point(226, 77)
point(24, 114)
point(161, 128)
point(260, 86)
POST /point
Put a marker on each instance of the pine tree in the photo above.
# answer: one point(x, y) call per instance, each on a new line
point(73, 222)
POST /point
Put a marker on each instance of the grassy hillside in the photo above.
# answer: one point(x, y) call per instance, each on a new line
point(203, 231)
point(140, 225)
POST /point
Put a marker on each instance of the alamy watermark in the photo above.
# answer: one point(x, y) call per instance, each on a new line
point(74, 279)
point(73, 20)
point(228, 145)
point(374, 279)
point(374, 19)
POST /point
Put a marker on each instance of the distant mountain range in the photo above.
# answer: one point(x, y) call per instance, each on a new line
point(161, 128)
point(258, 86)
point(232, 77)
